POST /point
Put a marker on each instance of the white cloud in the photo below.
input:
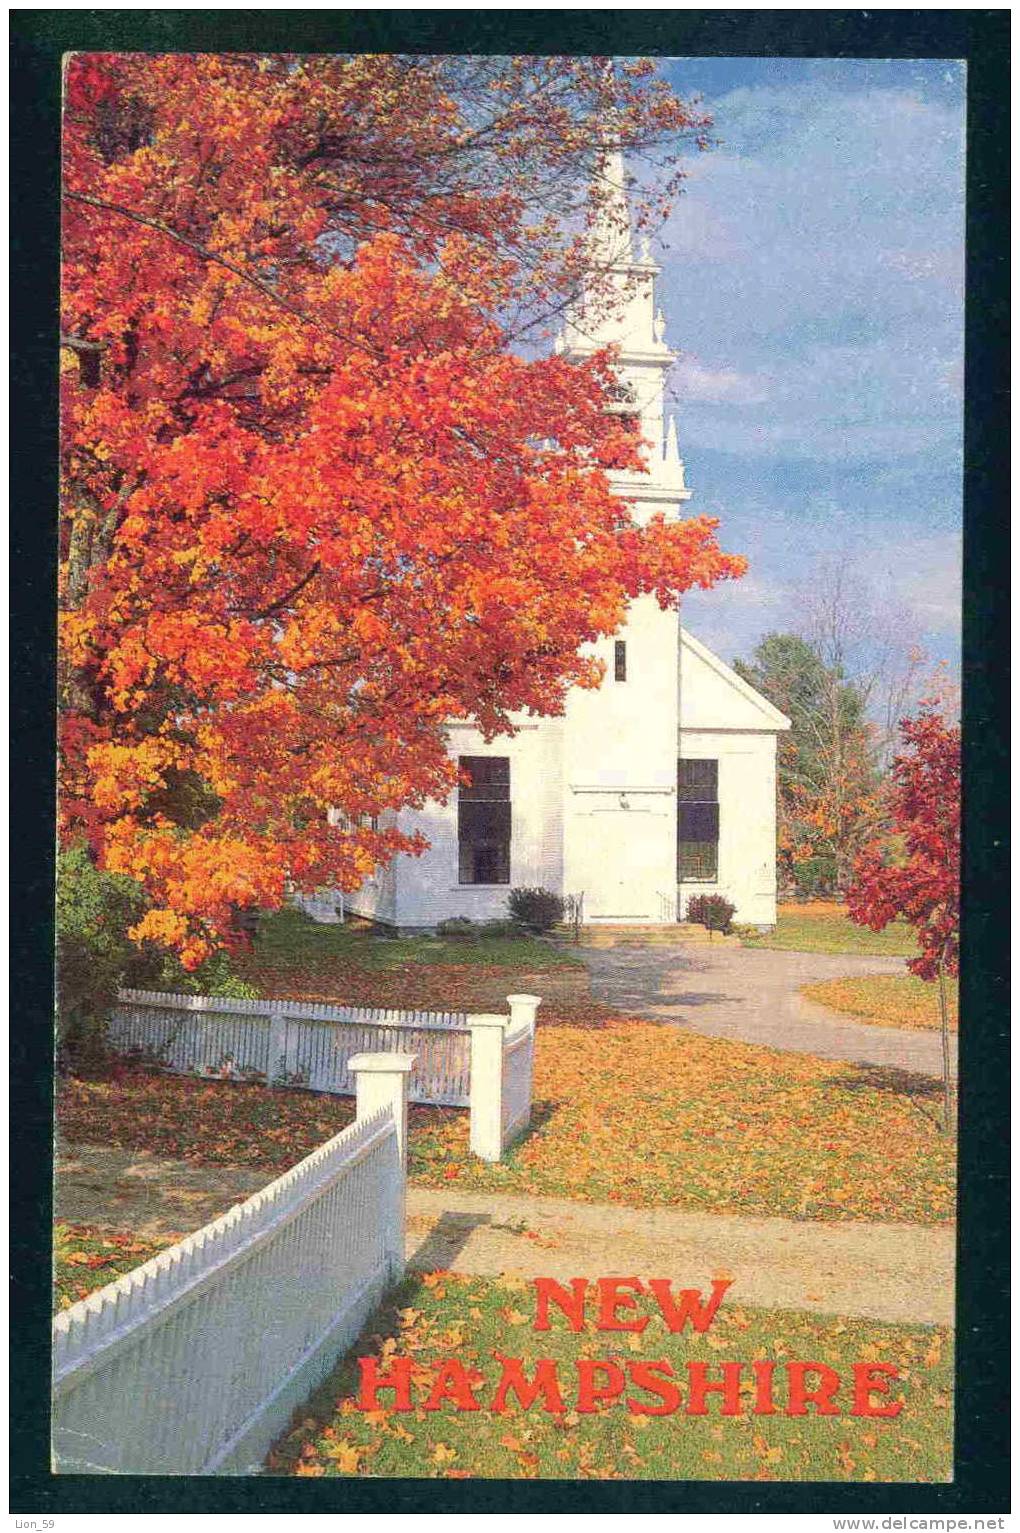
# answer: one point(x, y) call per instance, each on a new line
point(691, 379)
point(815, 270)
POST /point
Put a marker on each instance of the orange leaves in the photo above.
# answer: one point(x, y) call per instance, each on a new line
point(213, 1123)
point(306, 514)
point(639, 1114)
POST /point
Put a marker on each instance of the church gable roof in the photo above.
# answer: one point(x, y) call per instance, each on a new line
point(713, 696)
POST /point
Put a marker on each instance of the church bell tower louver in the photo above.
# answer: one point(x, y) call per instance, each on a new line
point(620, 743)
point(621, 311)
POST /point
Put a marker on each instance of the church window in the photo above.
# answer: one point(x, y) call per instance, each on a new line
point(698, 821)
point(483, 821)
point(620, 660)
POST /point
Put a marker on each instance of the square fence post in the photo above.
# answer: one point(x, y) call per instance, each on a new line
point(380, 1080)
point(487, 1034)
point(277, 1068)
point(523, 1008)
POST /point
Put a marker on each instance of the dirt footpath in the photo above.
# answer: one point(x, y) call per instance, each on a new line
point(134, 1190)
point(892, 1272)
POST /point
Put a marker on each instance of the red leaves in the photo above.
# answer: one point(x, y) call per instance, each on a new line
point(923, 887)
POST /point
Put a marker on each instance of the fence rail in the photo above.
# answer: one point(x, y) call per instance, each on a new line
point(193, 1362)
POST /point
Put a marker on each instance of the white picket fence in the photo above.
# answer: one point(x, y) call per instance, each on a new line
point(193, 1362)
point(484, 1062)
point(302, 1043)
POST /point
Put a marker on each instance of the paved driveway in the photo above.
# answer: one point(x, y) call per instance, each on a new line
point(751, 994)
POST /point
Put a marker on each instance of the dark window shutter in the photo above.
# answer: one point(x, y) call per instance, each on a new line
point(483, 821)
point(699, 822)
point(698, 781)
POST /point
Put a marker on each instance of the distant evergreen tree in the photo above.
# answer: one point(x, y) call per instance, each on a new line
point(828, 776)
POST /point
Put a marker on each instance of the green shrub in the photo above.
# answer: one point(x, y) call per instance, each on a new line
point(713, 911)
point(814, 877)
point(216, 976)
point(501, 929)
point(95, 955)
point(537, 910)
point(457, 926)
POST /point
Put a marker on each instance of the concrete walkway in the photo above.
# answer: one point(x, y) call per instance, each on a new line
point(751, 994)
point(893, 1272)
point(896, 1272)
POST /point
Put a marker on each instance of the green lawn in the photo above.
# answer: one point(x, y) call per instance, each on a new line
point(821, 926)
point(289, 939)
point(437, 1316)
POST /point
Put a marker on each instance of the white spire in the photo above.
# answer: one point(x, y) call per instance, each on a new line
point(672, 445)
point(609, 239)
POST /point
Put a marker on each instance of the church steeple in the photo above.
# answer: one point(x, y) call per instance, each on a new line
point(609, 239)
point(618, 309)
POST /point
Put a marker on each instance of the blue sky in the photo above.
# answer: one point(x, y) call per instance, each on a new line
point(813, 282)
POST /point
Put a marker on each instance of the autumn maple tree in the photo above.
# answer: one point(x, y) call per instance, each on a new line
point(921, 882)
point(314, 501)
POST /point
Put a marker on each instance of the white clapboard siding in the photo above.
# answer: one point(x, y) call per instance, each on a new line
point(207, 1034)
point(193, 1362)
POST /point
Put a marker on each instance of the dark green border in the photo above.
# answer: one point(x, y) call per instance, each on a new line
point(980, 37)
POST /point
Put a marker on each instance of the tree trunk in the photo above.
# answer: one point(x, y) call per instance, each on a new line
point(947, 1082)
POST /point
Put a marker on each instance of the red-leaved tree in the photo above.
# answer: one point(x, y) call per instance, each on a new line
point(922, 885)
point(313, 503)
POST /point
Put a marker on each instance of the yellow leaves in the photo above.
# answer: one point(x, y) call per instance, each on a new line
point(887, 1000)
point(442, 1454)
point(345, 1455)
point(704, 1132)
point(933, 1356)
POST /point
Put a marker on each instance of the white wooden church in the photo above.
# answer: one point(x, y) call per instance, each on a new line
point(656, 787)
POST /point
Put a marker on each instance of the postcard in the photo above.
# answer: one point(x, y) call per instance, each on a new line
point(509, 674)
